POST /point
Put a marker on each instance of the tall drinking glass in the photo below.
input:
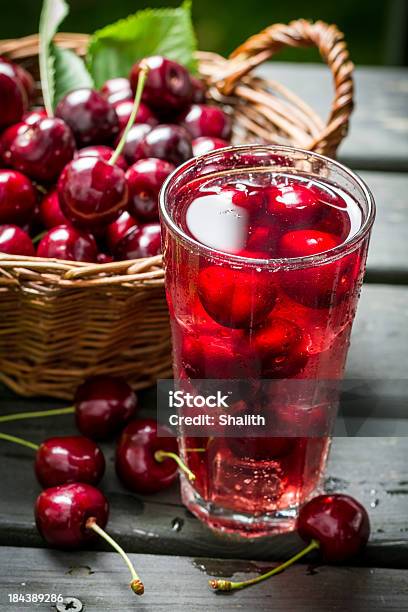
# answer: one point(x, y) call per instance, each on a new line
point(264, 251)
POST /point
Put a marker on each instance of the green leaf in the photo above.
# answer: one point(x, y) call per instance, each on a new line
point(70, 72)
point(52, 14)
point(114, 49)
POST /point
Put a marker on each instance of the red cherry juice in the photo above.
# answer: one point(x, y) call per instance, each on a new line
point(262, 287)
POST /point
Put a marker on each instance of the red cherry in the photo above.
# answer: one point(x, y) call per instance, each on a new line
point(145, 179)
point(66, 242)
point(301, 243)
point(338, 522)
point(26, 80)
point(91, 192)
point(7, 138)
point(67, 459)
point(50, 211)
point(15, 241)
point(280, 347)
point(31, 117)
point(136, 465)
point(117, 230)
point(92, 119)
point(133, 139)
point(205, 144)
point(61, 514)
point(103, 405)
point(17, 197)
point(124, 109)
point(293, 203)
point(144, 241)
point(101, 152)
point(165, 141)
point(216, 357)
point(168, 87)
point(236, 298)
point(116, 90)
point(41, 150)
point(205, 120)
point(13, 98)
point(324, 285)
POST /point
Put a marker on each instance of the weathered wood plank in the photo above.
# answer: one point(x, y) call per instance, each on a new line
point(374, 470)
point(98, 581)
point(378, 138)
point(388, 253)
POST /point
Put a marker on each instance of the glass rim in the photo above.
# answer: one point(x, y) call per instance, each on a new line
point(287, 263)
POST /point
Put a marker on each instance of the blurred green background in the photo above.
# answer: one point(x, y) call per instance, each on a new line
point(376, 30)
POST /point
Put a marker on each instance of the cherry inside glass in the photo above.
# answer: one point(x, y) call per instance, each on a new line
point(264, 251)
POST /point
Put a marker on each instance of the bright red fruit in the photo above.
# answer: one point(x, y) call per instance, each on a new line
point(117, 230)
point(124, 109)
point(338, 522)
point(145, 179)
point(13, 98)
point(15, 241)
point(103, 405)
point(61, 514)
point(50, 211)
point(65, 459)
point(143, 241)
point(206, 120)
point(236, 298)
point(101, 152)
point(136, 465)
point(302, 243)
point(17, 197)
point(66, 242)
point(205, 144)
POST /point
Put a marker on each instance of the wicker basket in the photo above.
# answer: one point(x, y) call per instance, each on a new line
point(62, 321)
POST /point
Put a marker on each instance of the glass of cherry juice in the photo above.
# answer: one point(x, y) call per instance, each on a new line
point(264, 251)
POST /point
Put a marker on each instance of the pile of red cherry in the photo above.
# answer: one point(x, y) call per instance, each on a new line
point(71, 510)
point(61, 173)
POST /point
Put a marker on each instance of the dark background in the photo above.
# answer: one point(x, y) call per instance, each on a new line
point(376, 30)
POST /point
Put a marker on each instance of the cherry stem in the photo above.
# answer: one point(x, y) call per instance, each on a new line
point(227, 585)
point(195, 450)
point(144, 70)
point(161, 455)
point(20, 441)
point(136, 584)
point(38, 237)
point(39, 413)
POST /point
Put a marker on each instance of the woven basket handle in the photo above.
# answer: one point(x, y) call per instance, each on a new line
point(301, 33)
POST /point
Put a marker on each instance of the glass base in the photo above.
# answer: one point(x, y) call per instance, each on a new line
point(225, 520)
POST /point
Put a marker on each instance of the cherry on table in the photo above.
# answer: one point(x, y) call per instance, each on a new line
point(103, 405)
point(236, 298)
point(124, 109)
point(143, 241)
point(101, 152)
point(92, 119)
point(92, 192)
point(168, 86)
point(70, 516)
point(65, 459)
point(145, 179)
point(165, 141)
point(337, 525)
point(15, 241)
point(41, 150)
point(17, 198)
point(50, 211)
point(67, 242)
point(119, 228)
point(13, 98)
point(136, 465)
point(205, 144)
point(116, 90)
point(206, 120)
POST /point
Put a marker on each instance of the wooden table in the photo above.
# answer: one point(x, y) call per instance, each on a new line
point(173, 551)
